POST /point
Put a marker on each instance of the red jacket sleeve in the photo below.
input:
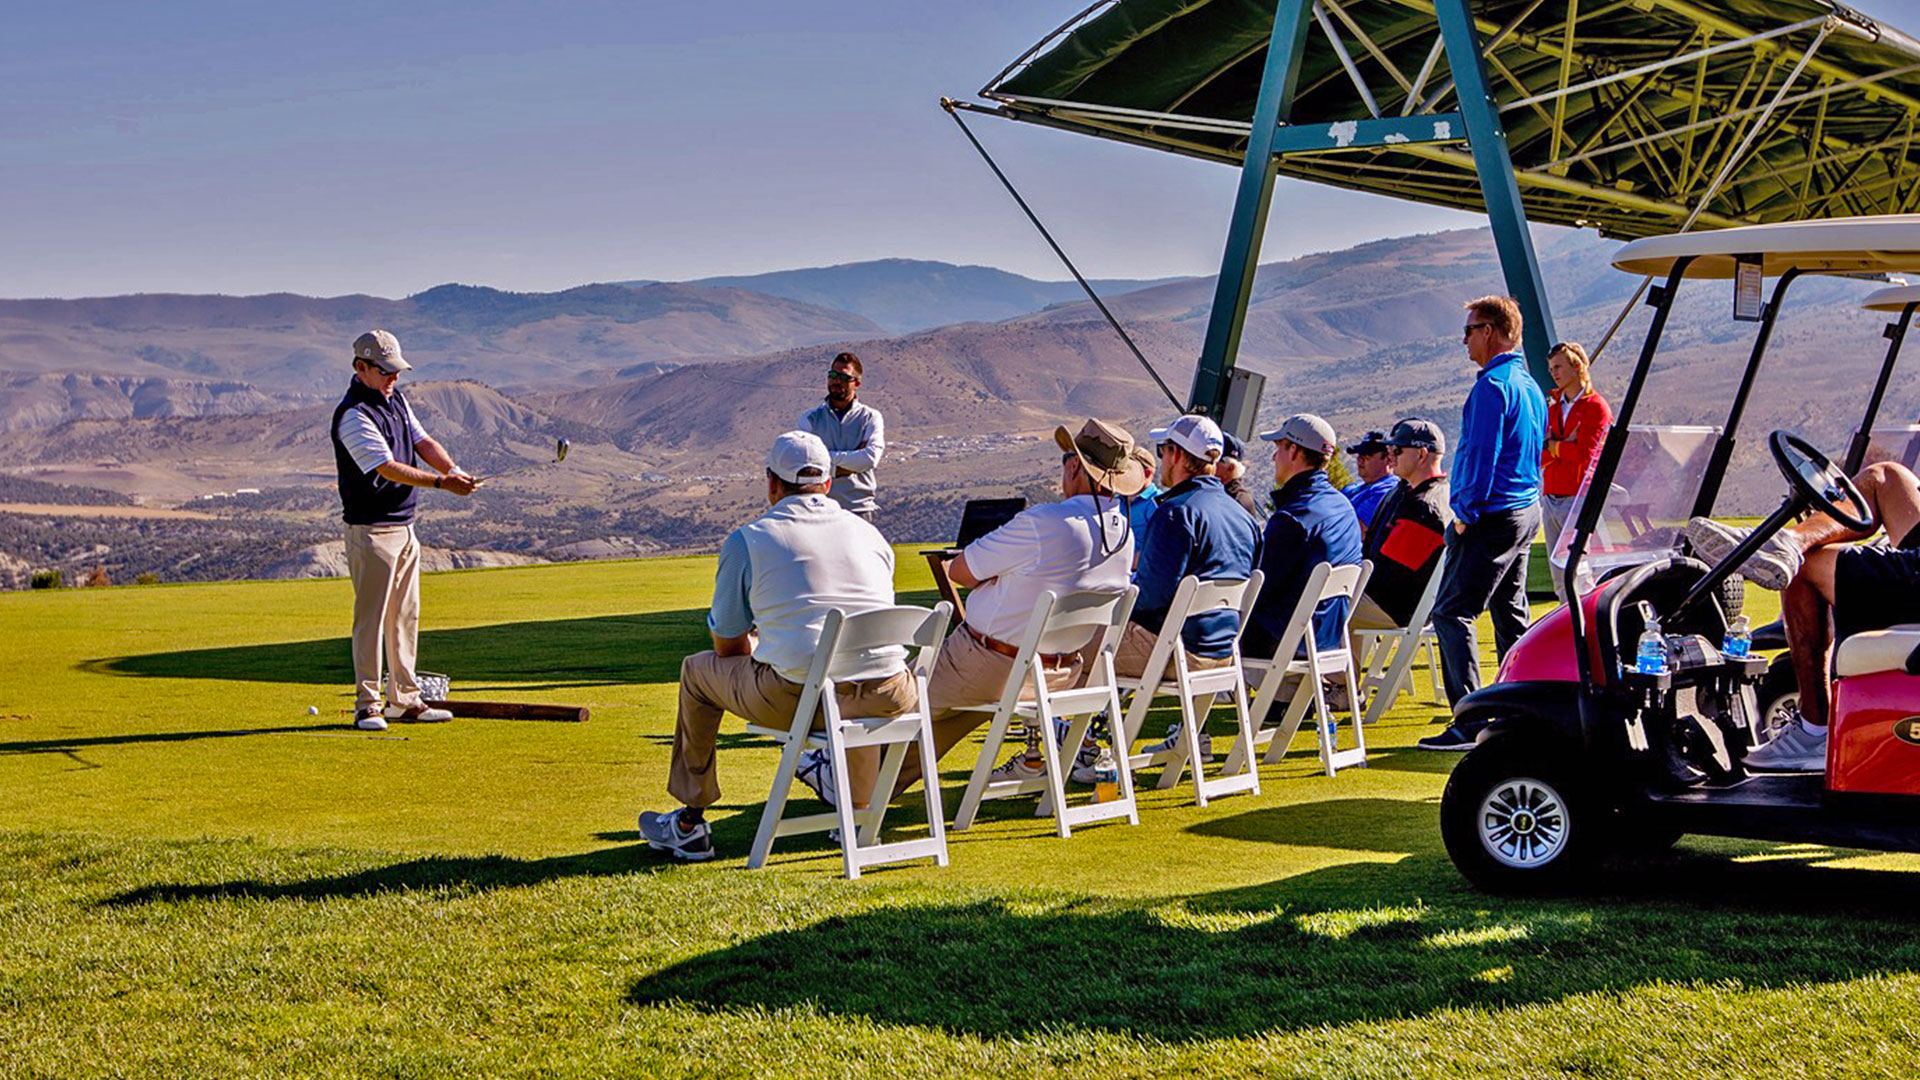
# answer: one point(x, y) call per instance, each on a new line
point(1594, 417)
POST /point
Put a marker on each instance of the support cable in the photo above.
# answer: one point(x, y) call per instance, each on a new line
point(1726, 170)
point(952, 110)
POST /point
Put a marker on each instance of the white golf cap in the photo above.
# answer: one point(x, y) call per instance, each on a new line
point(381, 349)
point(1197, 435)
point(799, 457)
point(1305, 430)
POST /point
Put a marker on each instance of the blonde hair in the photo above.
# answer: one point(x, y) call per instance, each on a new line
point(1577, 353)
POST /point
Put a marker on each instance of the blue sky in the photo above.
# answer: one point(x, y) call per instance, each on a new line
point(330, 148)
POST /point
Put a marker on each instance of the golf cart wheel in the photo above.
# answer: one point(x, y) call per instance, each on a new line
point(1779, 698)
point(1516, 819)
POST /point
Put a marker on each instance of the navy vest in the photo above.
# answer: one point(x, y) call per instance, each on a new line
point(369, 498)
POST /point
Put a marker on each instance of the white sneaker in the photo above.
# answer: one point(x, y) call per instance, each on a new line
point(816, 771)
point(369, 720)
point(417, 714)
point(1173, 739)
point(1771, 567)
point(1018, 767)
point(1796, 749)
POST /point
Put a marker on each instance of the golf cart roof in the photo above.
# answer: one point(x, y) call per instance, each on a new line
point(1861, 245)
point(1893, 299)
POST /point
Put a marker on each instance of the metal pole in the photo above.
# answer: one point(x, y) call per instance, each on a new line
point(1498, 186)
point(1284, 51)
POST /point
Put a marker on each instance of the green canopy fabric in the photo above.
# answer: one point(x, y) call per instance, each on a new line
point(1639, 103)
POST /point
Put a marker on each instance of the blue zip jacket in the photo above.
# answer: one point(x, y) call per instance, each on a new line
point(1366, 498)
point(1199, 530)
point(1502, 430)
point(1312, 523)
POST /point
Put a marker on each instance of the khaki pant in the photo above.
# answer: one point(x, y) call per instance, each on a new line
point(711, 686)
point(970, 674)
point(1136, 648)
point(384, 564)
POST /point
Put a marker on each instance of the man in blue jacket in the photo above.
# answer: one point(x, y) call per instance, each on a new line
point(1311, 523)
point(1196, 530)
point(1496, 506)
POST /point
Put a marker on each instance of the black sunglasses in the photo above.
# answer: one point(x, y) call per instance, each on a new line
point(841, 376)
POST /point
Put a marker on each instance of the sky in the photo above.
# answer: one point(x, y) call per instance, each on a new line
point(386, 147)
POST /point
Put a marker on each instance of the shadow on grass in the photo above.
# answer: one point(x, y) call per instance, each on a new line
point(558, 654)
point(1390, 825)
point(732, 833)
point(68, 746)
point(1355, 943)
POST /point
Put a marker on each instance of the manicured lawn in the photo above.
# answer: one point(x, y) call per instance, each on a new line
point(197, 878)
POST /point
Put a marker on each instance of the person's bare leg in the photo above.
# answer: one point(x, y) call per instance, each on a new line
point(1891, 491)
point(1803, 608)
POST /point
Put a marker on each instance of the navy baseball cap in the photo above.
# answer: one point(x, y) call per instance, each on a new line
point(1418, 433)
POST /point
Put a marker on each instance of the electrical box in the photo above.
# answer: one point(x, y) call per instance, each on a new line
point(1243, 403)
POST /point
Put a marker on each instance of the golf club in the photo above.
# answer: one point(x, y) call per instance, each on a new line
point(560, 449)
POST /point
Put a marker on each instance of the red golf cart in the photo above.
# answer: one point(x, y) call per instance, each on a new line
point(1582, 755)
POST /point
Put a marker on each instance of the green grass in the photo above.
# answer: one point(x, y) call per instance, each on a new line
point(199, 879)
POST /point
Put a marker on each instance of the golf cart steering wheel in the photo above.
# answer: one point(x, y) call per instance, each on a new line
point(1820, 481)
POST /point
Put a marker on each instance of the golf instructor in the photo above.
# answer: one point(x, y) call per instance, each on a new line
point(383, 457)
point(855, 434)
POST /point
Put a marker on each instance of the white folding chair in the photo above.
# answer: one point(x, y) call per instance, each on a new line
point(1386, 656)
point(1298, 654)
point(1055, 618)
point(845, 642)
point(1193, 598)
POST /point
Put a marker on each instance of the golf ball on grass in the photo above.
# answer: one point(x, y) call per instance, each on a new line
point(313, 710)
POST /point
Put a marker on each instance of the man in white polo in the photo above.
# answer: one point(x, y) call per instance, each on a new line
point(1082, 542)
point(778, 576)
point(382, 458)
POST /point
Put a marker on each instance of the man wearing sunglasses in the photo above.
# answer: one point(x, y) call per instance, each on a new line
point(855, 435)
point(1496, 505)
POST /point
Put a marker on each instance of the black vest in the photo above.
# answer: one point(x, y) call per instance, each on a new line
point(369, 498)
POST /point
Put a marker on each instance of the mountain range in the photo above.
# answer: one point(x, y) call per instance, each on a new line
point(669, 391)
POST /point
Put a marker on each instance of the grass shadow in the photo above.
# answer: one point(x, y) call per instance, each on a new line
point(1390, 825)
point(557, 654)
point(70, 746)
point(1355, 943)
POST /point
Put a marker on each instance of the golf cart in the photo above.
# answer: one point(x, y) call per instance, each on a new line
point(1583, 754)
point(1779, 692)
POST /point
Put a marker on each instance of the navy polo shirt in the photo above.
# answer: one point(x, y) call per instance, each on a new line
point(1312, 523)
point(1197, 530)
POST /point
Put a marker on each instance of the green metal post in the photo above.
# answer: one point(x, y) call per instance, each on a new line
point(1284, 51)
point(1498, 187)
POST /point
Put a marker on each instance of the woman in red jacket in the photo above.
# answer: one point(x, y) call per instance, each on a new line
point(1577, 423)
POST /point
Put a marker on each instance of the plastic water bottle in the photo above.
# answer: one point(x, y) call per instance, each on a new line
point(1106, 783)
point(1739, 640)
point(1652, 658)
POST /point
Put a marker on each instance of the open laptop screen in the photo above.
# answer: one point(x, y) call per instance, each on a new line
point(981, 516)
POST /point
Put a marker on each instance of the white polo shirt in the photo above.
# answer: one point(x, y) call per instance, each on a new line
point(780, 572)
point(1052, 548)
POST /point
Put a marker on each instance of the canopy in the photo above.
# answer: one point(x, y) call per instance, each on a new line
point(1836, 246)
point(1894, 299)
point(1617, 114)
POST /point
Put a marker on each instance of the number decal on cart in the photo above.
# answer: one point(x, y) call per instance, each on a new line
point(1908, 731)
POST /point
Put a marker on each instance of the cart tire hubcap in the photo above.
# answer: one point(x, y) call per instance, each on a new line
point(1523, 823)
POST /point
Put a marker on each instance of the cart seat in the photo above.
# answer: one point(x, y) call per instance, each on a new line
point(1896, 648)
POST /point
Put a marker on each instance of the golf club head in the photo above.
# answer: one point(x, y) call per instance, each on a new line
point(560, 449)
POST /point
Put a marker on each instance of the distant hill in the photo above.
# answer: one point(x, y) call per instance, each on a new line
point(908, 295)
point(186, 352)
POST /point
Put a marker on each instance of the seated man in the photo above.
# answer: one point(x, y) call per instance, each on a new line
point(1197, 530)
point(1232, 472)
point(1081, 543)
point(1311, 524)
point(778, 576)
point(1377, 480)
point(1409, 530)
point(1866, 588)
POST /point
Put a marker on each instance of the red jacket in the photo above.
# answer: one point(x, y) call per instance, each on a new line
point(1574, 435)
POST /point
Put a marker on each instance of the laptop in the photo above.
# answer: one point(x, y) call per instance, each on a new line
point(978, 518)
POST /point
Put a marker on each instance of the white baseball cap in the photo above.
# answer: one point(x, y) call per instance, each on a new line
point(1195, 434)
point(799, 457)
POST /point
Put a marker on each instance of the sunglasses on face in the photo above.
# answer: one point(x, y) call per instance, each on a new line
point(840, 376)
point(1467, 330)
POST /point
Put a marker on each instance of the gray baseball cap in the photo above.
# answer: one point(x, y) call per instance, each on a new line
point(381, 349)
point(1417, 432)
point(1307, 431)
point(799, 457)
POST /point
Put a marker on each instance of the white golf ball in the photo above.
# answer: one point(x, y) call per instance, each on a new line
point(313, 710)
